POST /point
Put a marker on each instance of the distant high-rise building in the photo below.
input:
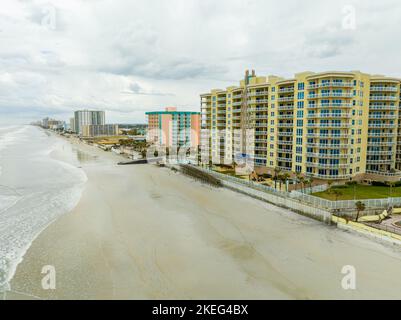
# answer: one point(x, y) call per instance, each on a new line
point(97, 130)
point(88, 117)
point(172, 128)
point(72, 124)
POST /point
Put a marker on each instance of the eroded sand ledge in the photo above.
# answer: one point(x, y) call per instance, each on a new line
point(141, 232)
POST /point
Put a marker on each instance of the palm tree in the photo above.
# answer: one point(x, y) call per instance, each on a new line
point(311, 180)
point(360, 206)
point(277, 171)
point(298, 177)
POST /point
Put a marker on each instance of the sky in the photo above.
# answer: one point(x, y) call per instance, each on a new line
point(129, 56)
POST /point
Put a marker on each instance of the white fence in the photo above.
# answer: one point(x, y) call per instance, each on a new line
point(306, 198)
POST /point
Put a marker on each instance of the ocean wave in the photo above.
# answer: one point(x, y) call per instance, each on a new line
point(33, 193)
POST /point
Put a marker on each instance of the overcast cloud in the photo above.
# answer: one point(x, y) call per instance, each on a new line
point(128, 56)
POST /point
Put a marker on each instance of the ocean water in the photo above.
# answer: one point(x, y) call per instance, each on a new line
point(35, 189)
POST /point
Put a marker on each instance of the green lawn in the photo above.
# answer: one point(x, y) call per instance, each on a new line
point(361, 192)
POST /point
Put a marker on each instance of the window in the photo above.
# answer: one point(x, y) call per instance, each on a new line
point(301, 95)
point(301, 86)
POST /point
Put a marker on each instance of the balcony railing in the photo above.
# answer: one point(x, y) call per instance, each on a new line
point(330, 177)
point(383, 98)
point(330, 105)
point(329, 115)
point(285, 90)
point(327, 135)
point(384, 89)
point(328, 146)
point(330, 95)
point(285, 108)
point(382, 116)
point(327, 165)
point(285, 134)
point(381, 107)
point(382, 125)
point(379, 161)
point(283, 99)
point(328, 156)
point(328, 125)
point(331, 84)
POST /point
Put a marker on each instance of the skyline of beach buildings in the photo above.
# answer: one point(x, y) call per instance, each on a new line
point(172, 128)
point(329, 125)
point(87, 117)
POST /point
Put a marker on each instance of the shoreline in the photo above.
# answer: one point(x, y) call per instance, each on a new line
point(138, 233)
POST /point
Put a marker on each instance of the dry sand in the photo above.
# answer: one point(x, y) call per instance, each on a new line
point(142, 232)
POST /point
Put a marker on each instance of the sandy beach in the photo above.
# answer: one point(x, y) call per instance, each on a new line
point(143, 232)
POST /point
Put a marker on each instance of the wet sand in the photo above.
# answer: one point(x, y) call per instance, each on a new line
point(142, 232)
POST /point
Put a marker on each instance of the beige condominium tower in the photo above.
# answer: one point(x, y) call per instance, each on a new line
point(330, 125)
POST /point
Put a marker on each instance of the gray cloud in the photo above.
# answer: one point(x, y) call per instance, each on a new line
point(129, 56)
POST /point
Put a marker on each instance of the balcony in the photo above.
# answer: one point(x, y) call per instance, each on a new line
point(383, 89)
point(282, 108)
point(379, 161)
point(381, 107)
point(382, 125)
point(286, 90)
point(381, 153)
point(261, 109)
point(284, 99)
point(261, 124)
point(330, 105)
point(331, 84)
point(285, 133)
point(383, 98)
point(284, 142)
point(329, 156)
point(328, 146)
point(383, 116)
point(259, 101)
point(258, 94)
point(330, 177)
point(285, 125)
point(328, 125)
point(327, 165)
point(285, 116)
point(260, 148)
point(382, 143)
point(287, 151)
point(381, 134)
point(325, 135)
point(284, 159)
point(328, 115)
point(222, 99)
point(260, 133)
point(330, 95)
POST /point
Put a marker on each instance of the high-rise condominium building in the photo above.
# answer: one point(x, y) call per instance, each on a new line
point(330, 125)
point(97, 130)
point(172, 128)
point(87, 117)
